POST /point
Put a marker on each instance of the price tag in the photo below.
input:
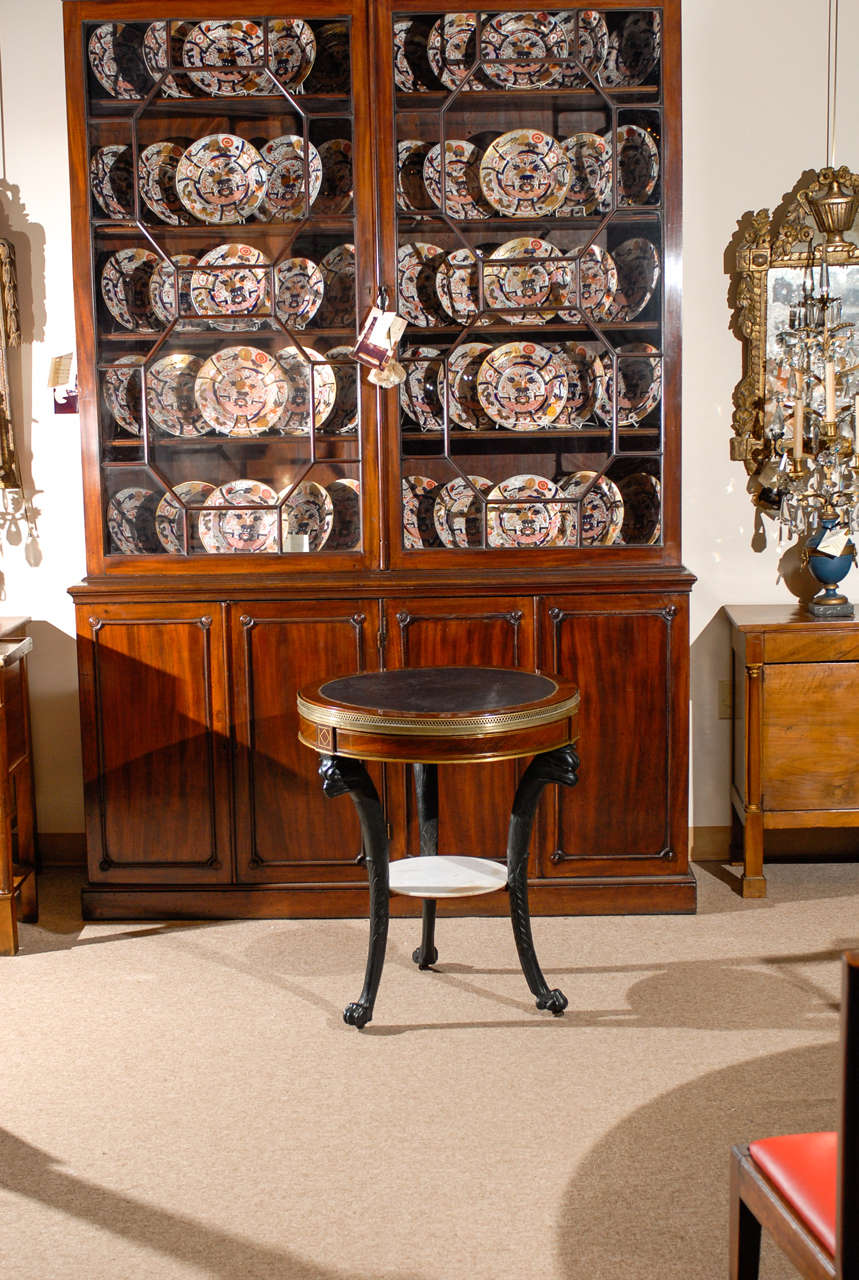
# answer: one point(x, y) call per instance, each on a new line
point(834, 542)
point(379, 335)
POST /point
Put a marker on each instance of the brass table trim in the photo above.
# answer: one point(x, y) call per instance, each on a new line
point(437, 727)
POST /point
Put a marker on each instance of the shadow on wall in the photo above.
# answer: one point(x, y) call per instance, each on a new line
point(710, 662)
point(56, 732)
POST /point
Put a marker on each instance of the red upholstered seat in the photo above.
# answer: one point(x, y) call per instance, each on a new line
point(804, 1167)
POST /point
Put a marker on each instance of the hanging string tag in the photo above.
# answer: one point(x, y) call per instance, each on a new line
point(377, 342)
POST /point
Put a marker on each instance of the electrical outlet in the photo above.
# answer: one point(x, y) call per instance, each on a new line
point(726, 702)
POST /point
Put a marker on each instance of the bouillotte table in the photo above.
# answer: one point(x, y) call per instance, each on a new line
point(426, 716)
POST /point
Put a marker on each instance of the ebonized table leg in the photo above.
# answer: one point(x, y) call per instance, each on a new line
point(426, 792)
point(341, 776)
point(561, 766)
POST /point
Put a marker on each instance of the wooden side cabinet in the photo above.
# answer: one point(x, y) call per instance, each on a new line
point(796, 727)
point(17, 814)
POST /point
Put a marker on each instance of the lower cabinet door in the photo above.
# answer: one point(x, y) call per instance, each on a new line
point(156, 743)
point(474, 799)
point(287, 830)
point(628, 813)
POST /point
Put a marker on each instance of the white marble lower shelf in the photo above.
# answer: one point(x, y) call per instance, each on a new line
point(446, 876)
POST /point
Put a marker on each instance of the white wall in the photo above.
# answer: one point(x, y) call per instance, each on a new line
point(754, 119)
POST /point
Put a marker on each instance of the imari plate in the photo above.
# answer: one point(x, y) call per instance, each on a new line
point(411, 193)
point(170, 402)
point(125, 281)
point(121, 390)
point(464, 407)
point(346, 499)
point(637, 263)
point(457, 283)
point(291, 51)
point(515, 46)
point(221, 178)
point(522, 386)
point(454, 182)
point(295, 178)
point(338, 274)
point(311, 390)
point(642, 509)
point(309, 511)
point(417, 265)
point(162, 291)
point(639, 389)
point(115, 52)
point(638, 164)
point(241, 391)
point(452, 49)
point(600, 510)
point(170, 519)
point(335, 191)
point(525, 273)
point(458, 512)
point(419, 394)
point(235, 531)
point(418, 524)
point(343, 419)
point(525, 173)
point(155, 57)
point(156, 167)
point(590, 167)
point(112, 181)
point(222, 48)
point(633, 49)
point(412, 71)
point(131, 521)
point(231, 280)
point(531, 519)
point(330, 71)
point(584, 379)
point(593, 283)
point(300, 288)
point(587, 46)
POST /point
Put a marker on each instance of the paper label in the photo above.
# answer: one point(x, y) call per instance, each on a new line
point(834, 542)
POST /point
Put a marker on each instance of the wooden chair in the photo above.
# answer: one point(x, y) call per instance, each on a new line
point(804, 1187)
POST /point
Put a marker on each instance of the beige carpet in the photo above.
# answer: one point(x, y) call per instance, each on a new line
point(185, 1101)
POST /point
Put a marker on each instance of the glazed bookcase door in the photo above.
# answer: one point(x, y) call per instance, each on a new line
point(221, 182)
point(528, 229)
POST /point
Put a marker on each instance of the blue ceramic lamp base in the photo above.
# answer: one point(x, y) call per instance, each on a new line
point(829, 570)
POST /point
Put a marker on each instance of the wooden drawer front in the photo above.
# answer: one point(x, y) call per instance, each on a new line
point(474, 799)
point(810, 736)
point(624, 816)
point(828, 643)
point(156, 743)
point(286, 828)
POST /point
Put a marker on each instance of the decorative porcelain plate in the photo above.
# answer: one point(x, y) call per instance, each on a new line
point(162, 291)
point(535, 521)
point(523, 40)
point(241, 391)
point(156, 167)
point(639, 384)
point(523, 273)
point(291, 51)
point(125, 281)
point(170, 401)
point(121, 390)
point(642, 509)
point(338, 274)
point(300, 288)
point(335, 191)
point(461, 185)
point(112, 180)
point(419, 394)
point(346, 498)
point(458, 512)
point(131, 521)
point(638, 164)
point(221, 178)
point(308, 510)
point(286, 197)
point(155, 57)
point(452, 49)
point(222, 47)
point(584, 379)
point(525, 173)
point(300, 370)
point(593, 280)
point(600, 509)
point(170, 520)
point(633, 49)
point(464, 407)
point(590, 166)
point(522, 386)
point(412, 71)
point(457, 283)
point(231, 280)
point(343, 419)
point(637, 263)
point(417, 265)
point(236, 530)
point(418, 524)
point(331, 70)
point(115, 52)
point(587, 46)
point(411, 192)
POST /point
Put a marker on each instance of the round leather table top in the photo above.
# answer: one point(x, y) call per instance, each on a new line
point(439, 690)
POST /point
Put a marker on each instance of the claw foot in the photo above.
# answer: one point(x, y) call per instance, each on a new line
point(555, 1001)
point(424, 962)
point(358, 1015)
